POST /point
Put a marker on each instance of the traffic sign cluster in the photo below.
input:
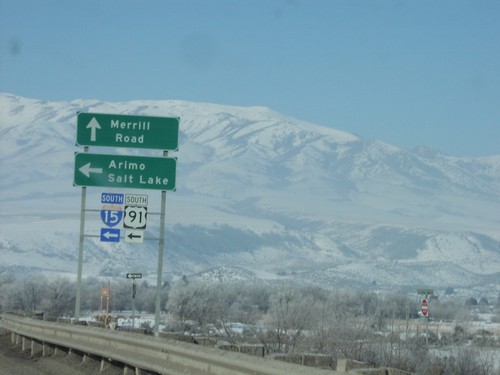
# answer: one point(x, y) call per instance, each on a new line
point(124, 171)
point(134, 218)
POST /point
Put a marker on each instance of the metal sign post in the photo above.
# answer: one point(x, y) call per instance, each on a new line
point(80, 252)
point(425, 313)
point(424, 304)
point(133, 302)
point(161, 243)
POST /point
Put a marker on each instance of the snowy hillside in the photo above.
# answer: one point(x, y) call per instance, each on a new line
point(258, 192)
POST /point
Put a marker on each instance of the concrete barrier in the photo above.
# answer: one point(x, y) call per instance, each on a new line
point(361, 368)
point(345, 365)
point(311, 360)
point(149, 353)
point(254, 350)
point(167, 356)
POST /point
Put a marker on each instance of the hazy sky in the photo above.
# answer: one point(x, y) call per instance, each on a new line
point(402, 71)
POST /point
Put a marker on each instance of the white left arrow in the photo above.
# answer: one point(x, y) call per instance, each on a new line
point(93, 126)
point(109, 235)
point(87, 170)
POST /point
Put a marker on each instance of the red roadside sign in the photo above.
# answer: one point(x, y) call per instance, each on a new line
point(425, 306)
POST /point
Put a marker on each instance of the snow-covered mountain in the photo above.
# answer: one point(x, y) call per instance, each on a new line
point(259, 193)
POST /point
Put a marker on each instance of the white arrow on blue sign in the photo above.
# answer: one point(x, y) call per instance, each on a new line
point(110, 235)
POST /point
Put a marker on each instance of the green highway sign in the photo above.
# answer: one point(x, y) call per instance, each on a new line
point(134, 275)
point(429, 292)
point(131, 172)
point(100, 129)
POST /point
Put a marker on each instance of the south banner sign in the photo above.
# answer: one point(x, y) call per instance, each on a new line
point(111, 198)
point(102, 129)
point(119, 171)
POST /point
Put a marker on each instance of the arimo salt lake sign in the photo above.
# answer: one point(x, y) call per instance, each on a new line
point(119, 171)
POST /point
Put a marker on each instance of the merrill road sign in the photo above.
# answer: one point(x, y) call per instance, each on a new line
point(99, 129)
point(131, 172)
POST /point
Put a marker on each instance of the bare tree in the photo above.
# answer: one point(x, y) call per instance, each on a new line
point(192, 301)
point(59, 297)
point(91, 287)
point(290, 309)
point(146, 297)
point(6, 282)
point(466, 361)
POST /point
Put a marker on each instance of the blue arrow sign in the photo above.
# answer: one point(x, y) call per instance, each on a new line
point(110, 235)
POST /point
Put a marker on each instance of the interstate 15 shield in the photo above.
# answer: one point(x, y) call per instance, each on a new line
point(111, 215)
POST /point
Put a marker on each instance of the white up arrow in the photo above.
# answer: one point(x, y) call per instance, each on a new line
point(87, 170)
point(93, 126)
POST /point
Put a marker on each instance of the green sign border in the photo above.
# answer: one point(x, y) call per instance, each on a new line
point(130, 131)
point(122, 171)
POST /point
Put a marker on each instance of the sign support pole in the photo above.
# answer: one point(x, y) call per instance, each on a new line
point(161, 244)
point(80, 251)
point(426, 331)
point(133, 303)
point(426, 327)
